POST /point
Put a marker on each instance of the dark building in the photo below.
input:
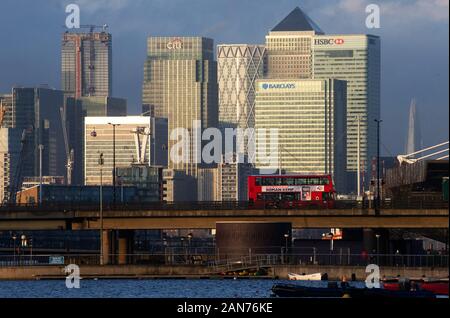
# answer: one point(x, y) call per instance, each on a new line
point(85, 195)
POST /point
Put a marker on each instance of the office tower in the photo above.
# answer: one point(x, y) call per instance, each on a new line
point(414, 141)
point(238, 67)
point(180, 83)
point(176, 183)
point(297, 48)
point(9, 155)
point(355, 59)
point(232, 180)
point(289, 47)
point(135, 140)
point(310, 116)
point(86, 63)
point(30, 116)
point(76, 109)
point(207, 187)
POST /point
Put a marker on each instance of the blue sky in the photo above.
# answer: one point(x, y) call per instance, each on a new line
point(414, 35)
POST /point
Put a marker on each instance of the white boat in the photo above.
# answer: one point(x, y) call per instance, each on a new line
point(315, 276)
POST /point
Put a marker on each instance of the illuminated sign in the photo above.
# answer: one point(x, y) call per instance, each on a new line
point(175, 44)
point(292, 188)
point(278, 86)
point(328, 41)
point(281, 189)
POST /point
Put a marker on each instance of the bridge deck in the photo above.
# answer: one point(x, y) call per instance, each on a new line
point(196, 219)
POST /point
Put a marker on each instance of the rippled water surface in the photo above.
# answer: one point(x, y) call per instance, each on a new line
point(166, 288)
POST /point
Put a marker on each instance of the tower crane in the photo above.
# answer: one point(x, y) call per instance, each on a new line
point(16, 183)
point(69, 152)
point(408, 157)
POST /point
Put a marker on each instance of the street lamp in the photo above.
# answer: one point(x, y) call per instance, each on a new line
point(23, 244)
point(30, 241)
point(114, 162)
point(286, 237)
point(14, 238)
point(189, 236)
point(101, 161)
point(378, 248)
point(378, 199)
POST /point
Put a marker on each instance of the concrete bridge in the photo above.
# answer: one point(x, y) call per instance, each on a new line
point(41, 219)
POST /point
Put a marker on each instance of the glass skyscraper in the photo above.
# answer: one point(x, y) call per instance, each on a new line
point(239, 66)
point(86, 64)
point(355, 59)
point(180, 83)
point(310, 118)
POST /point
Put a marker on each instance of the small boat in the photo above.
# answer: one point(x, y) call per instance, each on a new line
point(436, 286)
point(315, 276)
point(334, 291)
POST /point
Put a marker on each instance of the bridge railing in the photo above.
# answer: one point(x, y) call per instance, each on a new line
point(71, 206)
point(231, 262)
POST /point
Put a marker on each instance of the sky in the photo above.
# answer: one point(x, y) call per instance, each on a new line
point(414, 45)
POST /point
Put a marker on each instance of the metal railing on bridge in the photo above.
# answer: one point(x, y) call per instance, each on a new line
point(225, 205)
point(232, 262)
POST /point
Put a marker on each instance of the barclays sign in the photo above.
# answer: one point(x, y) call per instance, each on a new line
point(278, 86)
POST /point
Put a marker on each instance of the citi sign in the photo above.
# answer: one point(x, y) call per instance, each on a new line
point(328, 41)
point(175, 44)
point(280, 86)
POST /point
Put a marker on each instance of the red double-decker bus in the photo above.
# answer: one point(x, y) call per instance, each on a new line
point(290, 191)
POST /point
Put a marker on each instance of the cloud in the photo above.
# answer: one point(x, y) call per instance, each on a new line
point(396, 11)
point(94, 6)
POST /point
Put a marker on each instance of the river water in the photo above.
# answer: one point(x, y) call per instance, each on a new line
point(148, 288)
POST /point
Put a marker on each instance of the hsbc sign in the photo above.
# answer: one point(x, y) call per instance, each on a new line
point(328, 41)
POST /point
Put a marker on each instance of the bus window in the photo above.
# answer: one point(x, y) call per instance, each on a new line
point(268, 181)
point(289, 181)
point(288, 196)
point(278, 181)
point(258, 181)
point(300, 181)
point(324, 181)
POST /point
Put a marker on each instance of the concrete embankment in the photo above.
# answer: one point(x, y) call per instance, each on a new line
point(337, 272)
point(186, 271)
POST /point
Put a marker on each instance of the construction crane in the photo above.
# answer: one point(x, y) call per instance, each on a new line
point(408, 158)
point(69, 153)
point(16, 184)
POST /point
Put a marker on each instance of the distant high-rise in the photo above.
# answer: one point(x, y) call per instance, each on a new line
point(137, 141)
point(298, 48)
point(289, 47)
point(86, 63)
point(76, 109)
point(355, 59)
point(180, 83)
point(310, 116)
point(239, 66)
point(34, 114)
point(414, 141)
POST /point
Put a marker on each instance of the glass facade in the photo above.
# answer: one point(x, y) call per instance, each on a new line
point(86, 64)
point(180, 83)
point(355, 59)
point(98, 134)
point(310, 118)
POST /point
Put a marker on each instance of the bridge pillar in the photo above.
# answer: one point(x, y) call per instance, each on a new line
point(106, 239)
point(125, 246)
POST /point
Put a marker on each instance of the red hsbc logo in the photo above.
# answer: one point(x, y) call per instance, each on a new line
point(328, 41)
